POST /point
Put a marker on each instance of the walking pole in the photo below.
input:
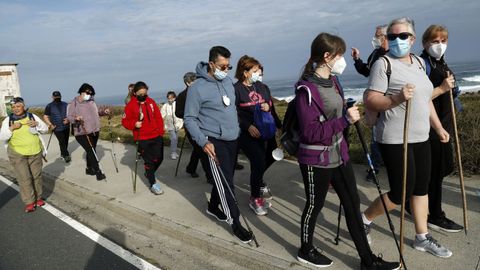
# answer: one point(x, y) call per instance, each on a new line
point(140, 119)
point(404, 180)
point(377, 184)
point(49, 140)
point(222, 177)
point(337, 238)
point(459, 163)
point(114, 156)
point(181, 151)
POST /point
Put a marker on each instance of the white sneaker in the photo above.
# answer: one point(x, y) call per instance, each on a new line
point(432, 246)
point(174, 156)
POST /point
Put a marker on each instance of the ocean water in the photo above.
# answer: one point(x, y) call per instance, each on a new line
point(354, 84)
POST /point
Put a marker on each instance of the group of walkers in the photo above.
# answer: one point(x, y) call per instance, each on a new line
point(221, 117)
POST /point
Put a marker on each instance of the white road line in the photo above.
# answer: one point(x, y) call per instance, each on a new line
point(116, 249)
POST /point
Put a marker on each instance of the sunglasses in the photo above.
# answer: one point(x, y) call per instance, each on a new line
point(16, 100)
point(402, 36)
point(223, 68)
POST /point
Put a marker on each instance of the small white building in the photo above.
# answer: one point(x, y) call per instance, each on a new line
point(9, 87)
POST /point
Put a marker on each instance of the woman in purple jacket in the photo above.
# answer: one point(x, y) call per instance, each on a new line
point(323, 151)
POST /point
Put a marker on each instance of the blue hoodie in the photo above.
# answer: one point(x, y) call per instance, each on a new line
point(205, 114)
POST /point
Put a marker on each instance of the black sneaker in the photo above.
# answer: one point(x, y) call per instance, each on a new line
point(380, 264)
point(313, 257)
point(90, 171)
point(444, 224)
point(193, 174)
point(210, 181)
point(242, 234)
point(370, 176)
point(100, 176)
point(238, 166)
point(217, 213)
point(67, 159)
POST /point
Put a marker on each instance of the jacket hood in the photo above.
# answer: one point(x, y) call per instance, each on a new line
point(202, 71)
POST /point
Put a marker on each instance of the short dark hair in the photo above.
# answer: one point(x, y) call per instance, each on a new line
point(86, 87)
point(189, 77)
point(171, 93)
point(139, 85)
point(216, 51)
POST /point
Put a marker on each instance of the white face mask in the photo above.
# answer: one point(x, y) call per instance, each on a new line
point(437, 50)
point(220, 75)
point(255, 77)
point(339, 66)
point(260, 78)
point(376, 43)
point(86, 97)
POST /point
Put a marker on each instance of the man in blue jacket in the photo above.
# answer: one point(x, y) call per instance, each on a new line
point(55, 117)
point(211, 119)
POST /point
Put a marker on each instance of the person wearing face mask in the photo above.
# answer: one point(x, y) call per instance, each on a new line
point(323, 151)
point(25, 148)
point(250, 95)
point(387, 95)
point(143, 117)
point(172, 123)
point(211, 118)
point(56, 118)
point(380, 47)
point(435, 40)
point(84, 114)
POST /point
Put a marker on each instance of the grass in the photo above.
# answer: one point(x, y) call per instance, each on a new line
point(468, 123)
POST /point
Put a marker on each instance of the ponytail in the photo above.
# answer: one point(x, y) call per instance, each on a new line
point(308, 70)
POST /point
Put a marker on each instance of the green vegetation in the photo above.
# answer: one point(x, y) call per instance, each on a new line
point(468, 126)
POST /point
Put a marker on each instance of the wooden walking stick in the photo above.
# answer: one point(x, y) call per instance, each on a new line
point(405, 169)
point(181, 152)
point(459, 163)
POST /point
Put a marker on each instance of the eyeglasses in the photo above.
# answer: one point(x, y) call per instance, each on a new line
point(223, 68)
point(402, 36)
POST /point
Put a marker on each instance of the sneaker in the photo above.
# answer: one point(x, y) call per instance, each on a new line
point(30, 207)
point(210, 181)
point(174, 156)
point(67, 159)
point(238, 166)
point(313, 257)
point(40, 202)
point(367, 229)
point(242, 234)
point(257, 205)
point(193, 174)
point(217, 213)
point(265, 193)
point(90, 171)
point(380, 264)
point(370, 176)
point(432, 246)
point(156, 189)
point(267, 204)
point(100, 176)
point(444, 224)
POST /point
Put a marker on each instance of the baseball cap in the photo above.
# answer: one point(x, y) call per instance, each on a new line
point(56, 94)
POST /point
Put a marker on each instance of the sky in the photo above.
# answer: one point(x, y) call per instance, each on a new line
point(110, 43)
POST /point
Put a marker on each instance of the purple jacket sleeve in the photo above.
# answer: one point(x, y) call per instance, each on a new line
point(312, 131)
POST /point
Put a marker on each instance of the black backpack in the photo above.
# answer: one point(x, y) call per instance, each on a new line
point(290, 139)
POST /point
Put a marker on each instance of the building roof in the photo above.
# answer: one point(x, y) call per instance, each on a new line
point(7, 64)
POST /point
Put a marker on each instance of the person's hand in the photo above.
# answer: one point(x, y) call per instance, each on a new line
point(448, 83)
point(209, 148)
point(51, 126)
point(265, 107)
point(32, 123)
point(15, 125)
point(355, 53)
point(65, 121)
point(443, 135)
point(78, 118)
point(253, 131)
point(407, 91)
point(138, 124)
point(353, 114)
point(107, 111)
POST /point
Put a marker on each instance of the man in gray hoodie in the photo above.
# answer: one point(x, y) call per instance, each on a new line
point(211, 119)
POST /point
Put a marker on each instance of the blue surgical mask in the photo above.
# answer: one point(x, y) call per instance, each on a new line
point(219, 75)
point(399, 47)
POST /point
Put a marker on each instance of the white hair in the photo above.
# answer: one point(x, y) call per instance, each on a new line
point(406, 21)
point(382, 28)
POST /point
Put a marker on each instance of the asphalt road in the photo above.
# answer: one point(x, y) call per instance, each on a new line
point(39, 240)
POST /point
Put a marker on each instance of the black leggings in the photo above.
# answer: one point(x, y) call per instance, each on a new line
point(342, 178)
point(152, 155)
point(259, 153)
point(62, 137)
point(89, 143)
point(418, 169)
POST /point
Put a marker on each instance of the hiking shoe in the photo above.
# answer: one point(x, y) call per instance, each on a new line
point(257, 205)
point(370, 176)
point(265, 193)
point(40, 202)
point(444, 224)
point(217, 213)
point(156, 189)
point(380, 264)
point(67, 159)
point(432, 246)
point(90, 171)
point(30, 207)
point(100, 176)
point(242, 234)
point(313, 257)
point(367, 229)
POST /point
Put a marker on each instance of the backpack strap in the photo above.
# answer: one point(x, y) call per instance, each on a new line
point(306, 85)
point(428, 66)
point(389, 67)
point(419, 62)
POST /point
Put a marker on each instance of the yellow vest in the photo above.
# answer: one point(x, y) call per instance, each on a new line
point(23, 141)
